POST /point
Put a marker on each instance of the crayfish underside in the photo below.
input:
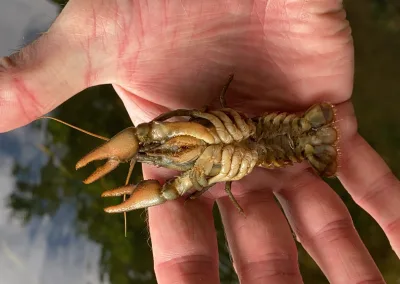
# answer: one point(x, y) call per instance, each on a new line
point(215, 146)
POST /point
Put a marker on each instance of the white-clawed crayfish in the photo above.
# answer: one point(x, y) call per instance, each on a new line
point(212, 146)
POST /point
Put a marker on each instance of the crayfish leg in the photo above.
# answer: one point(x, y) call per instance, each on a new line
point(149, 193)
point(126, 189)
point(197, 194)
point(187, 112)
point(170, 114)
point(228, 189)
point(222, 96)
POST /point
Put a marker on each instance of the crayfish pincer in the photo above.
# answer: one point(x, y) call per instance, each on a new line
point(120, 149)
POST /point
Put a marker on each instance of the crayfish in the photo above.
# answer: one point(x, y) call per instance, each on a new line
point(211, 146)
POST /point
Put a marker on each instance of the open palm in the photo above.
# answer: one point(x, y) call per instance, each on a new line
point(162, 55)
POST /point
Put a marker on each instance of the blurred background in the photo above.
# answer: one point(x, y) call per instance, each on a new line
point(53, 227)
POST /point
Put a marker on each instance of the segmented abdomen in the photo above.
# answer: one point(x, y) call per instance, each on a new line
point(283, 139)
point(226, 125)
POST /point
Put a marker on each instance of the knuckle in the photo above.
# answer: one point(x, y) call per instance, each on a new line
point(378, 188)
point(372, 281)
point(188, 267)
point(393, 227)
point(334, 230)
point(270, 266)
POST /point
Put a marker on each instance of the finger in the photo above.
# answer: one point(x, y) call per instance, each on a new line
point(324, 227)
point(373, 186)
point(261, 243)
point(367, 178)
point(63, 61)
point(183, 239)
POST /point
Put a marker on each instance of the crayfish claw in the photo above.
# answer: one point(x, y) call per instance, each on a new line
point(102, 171)
point(123, 147)
point(147, 193)
point(127, 189)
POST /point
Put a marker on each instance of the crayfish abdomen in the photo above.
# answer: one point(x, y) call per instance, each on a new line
point(284, 139)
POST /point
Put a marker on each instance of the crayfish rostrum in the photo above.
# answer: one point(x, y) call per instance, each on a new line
point(211, 146)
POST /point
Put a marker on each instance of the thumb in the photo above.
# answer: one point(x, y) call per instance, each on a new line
point(68, 58)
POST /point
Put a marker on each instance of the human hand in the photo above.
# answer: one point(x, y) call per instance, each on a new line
point(285, 56)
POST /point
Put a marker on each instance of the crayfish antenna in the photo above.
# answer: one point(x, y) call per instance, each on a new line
point(75, 127)
point(128, 177)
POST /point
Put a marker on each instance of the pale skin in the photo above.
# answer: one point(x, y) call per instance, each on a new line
point(164, 55)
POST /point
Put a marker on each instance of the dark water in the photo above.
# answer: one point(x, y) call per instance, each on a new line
point(52, 226)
